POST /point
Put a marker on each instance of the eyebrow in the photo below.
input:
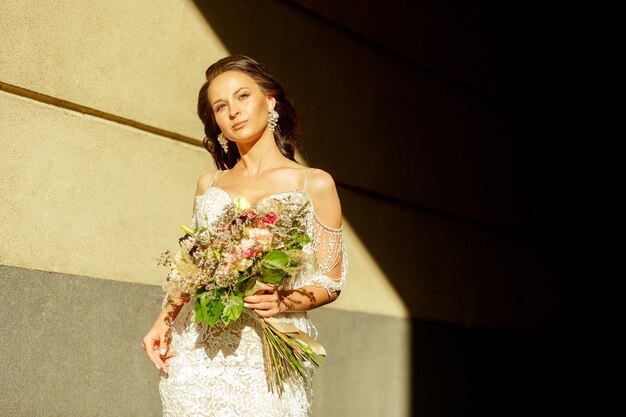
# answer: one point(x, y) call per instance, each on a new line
point(221, 99)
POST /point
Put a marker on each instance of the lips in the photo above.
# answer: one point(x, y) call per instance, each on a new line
point(239, 125)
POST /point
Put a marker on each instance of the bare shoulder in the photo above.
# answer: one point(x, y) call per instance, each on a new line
point(204, 182)
point(320, 183)
point(322, 191)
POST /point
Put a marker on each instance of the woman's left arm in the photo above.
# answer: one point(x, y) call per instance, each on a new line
point(268, 301)
point(323, 287)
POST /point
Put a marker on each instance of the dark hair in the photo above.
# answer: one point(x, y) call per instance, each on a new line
point(287, 132)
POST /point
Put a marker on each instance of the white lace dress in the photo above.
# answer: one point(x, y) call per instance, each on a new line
point(219, 371)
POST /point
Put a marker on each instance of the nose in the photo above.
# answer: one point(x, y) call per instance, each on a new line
point(234, 112)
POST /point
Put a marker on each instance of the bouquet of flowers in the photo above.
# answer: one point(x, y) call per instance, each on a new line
point(222, 265)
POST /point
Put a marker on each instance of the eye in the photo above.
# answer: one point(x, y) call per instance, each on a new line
point(219, 107)
point(243, 96)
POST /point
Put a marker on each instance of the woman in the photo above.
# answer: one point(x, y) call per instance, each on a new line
point(251, 128)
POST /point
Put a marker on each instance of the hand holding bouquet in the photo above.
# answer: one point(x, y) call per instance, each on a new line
point(223, 264)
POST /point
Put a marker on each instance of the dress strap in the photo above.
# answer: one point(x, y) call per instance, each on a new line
point(214, 180)
point(306, 177)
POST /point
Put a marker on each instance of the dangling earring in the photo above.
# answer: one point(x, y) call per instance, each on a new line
point(223, 142)
point(273, 120)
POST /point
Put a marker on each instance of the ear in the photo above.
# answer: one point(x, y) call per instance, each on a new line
point(271, 102)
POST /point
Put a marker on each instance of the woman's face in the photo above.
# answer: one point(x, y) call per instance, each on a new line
point(240, 107)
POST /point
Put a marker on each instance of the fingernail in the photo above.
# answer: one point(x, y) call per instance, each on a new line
point(163, 352)
point(157, 366)
point(246, 305)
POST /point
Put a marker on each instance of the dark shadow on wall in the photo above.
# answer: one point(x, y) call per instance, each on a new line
point(428, 118)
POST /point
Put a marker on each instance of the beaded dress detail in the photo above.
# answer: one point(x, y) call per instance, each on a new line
point(219, 371)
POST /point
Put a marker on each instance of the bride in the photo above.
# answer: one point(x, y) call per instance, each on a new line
point(251, 128)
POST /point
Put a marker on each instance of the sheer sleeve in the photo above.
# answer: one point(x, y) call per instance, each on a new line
point(330, 258)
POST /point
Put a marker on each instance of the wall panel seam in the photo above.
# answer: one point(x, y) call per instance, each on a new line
point(64, 104)
point(372, 194)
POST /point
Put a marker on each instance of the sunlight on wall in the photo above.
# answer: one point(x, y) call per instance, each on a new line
point(66, 173)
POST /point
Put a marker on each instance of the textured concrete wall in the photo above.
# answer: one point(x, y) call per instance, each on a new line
point(142, 60)
point(85, 196)
point(71, 347)
point(459, 298)
point(98, 166)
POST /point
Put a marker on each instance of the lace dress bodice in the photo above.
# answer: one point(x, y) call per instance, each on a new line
point(219, 371)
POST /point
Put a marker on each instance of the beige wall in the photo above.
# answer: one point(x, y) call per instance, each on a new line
point(83, 181)
point(89, 197)
point(142, 60)
point(145, 65)
point(99, 158)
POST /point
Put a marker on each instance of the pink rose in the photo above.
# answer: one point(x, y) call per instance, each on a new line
point(249, 248)
point(262, 236)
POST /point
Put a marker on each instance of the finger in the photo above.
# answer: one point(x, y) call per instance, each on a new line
point(262, 306)
point(255, 299)
point(163, 346)
point(153, 353)
point(166, 359)
point(266, 313)
point(169, 355)
point(253, 304)
point(157, 359)
point(146, 344)
point(149, 346)
point(251, 299)
point(264, 298)
point(261, 299)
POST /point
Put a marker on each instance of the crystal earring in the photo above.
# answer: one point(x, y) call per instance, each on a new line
point(223, 142)
point(273, 120)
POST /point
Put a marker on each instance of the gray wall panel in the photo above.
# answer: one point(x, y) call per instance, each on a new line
point(367, 371)
point(71, 346)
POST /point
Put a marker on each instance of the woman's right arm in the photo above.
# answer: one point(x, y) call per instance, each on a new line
point(156, 341)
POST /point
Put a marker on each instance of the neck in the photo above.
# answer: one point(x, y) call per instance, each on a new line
point(260, 155)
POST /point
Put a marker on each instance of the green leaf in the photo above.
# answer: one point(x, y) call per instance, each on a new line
point(275, 259)
point(188, 230)
point(198, 309)
point(233, 308)
point(272, 276)
point(248, 287)
point(211, 308)
point(303, 239)
point(273, 266)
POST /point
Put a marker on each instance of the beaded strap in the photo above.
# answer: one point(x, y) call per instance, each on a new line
point(332, 261)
